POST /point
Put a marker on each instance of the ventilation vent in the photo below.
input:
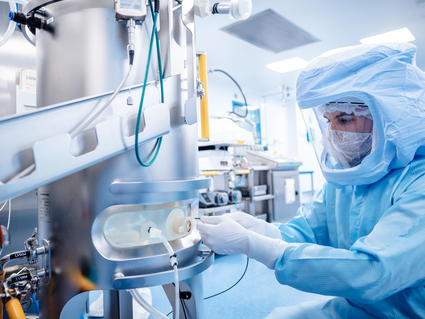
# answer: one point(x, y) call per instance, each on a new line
point(270, 31)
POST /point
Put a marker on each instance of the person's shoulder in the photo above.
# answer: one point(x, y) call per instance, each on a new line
point(411, 177)
point(417, 166)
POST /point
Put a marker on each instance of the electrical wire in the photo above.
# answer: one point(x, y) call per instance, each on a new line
point(158, 54)
point(225, 290)
point(145, 305)
point(183, 307)
point(177, 293)
point(96, 112)
point(158, 142)
point(22, 173)
point(8, 215)
point(3, 206)
point(239, 87)
point(157, 234)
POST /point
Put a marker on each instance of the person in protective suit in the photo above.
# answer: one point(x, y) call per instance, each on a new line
point(362, 238)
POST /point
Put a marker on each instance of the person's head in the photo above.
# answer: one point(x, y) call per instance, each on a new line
point(365, 108)
point(349, 120)
point(348, 127)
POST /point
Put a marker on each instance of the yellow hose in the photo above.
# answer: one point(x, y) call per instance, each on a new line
point(205, 124)
point(14, 309)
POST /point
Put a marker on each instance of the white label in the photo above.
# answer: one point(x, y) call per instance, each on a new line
point(289, 190)
point(131, 4)
point(28, 80)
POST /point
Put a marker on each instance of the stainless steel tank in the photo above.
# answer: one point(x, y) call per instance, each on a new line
point(94, 216)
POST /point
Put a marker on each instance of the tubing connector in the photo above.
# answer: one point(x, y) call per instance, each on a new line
point(156, 233)
point(31, 21)
point(131, 27)
point(173, 260)
point(239, 9)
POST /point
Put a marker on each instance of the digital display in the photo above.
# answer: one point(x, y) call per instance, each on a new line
point(131, 4)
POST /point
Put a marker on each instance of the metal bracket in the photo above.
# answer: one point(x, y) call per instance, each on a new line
point(121, 281)
point(51, 151)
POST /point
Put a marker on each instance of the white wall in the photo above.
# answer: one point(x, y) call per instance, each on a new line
point(280, 125)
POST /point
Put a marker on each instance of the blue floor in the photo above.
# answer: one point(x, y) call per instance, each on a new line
point(255, 296)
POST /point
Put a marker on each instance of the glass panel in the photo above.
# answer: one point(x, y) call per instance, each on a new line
point(130, 229)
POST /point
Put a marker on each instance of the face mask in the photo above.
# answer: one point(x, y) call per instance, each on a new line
point(348, 148)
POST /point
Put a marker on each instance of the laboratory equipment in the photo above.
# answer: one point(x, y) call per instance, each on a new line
point(235, 196)
point(130, 9)
point(104, 221)
point(213, 199)
point(272, 160)
point(238, 9)
point(283, 181)
point(107, 222)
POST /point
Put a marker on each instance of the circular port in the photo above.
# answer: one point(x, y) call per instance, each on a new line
point(177, 224)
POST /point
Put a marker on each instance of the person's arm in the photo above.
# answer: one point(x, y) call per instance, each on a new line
point(388, 260)
point(309, 226)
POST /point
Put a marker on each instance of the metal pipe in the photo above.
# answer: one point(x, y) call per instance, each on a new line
point(205, 125)
point(221, 8)
point(16, 255)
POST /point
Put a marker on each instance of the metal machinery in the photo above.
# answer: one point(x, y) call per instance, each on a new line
point(96, 204)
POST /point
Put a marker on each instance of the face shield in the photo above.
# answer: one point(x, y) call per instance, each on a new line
point(341, 132)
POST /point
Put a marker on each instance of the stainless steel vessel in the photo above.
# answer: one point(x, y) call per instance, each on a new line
point(84, 56)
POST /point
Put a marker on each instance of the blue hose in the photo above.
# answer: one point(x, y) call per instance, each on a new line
point(158, 142)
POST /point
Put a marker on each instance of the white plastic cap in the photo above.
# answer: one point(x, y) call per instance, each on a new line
point(241, 9)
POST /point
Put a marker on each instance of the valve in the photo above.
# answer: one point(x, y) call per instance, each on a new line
point(31, 21)
point(239, 9)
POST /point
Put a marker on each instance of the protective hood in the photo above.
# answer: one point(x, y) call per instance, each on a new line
point(386, 78)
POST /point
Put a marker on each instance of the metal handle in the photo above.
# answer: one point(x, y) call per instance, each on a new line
point(160, 187)
point(121, 281)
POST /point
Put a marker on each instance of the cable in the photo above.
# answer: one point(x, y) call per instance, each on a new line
point(143, 303)
point(8, 215)
point(94, 114)
point(176, 292)
point(4, 204)
point(184, 308)
point(158, 142)
point(225, 290)
point(22, 173)
point(157, 234)
point(158, 54)
point(239, 87)
point(222, 292)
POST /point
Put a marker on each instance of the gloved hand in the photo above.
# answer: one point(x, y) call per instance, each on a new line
point(225, 236)
point(256, 225)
